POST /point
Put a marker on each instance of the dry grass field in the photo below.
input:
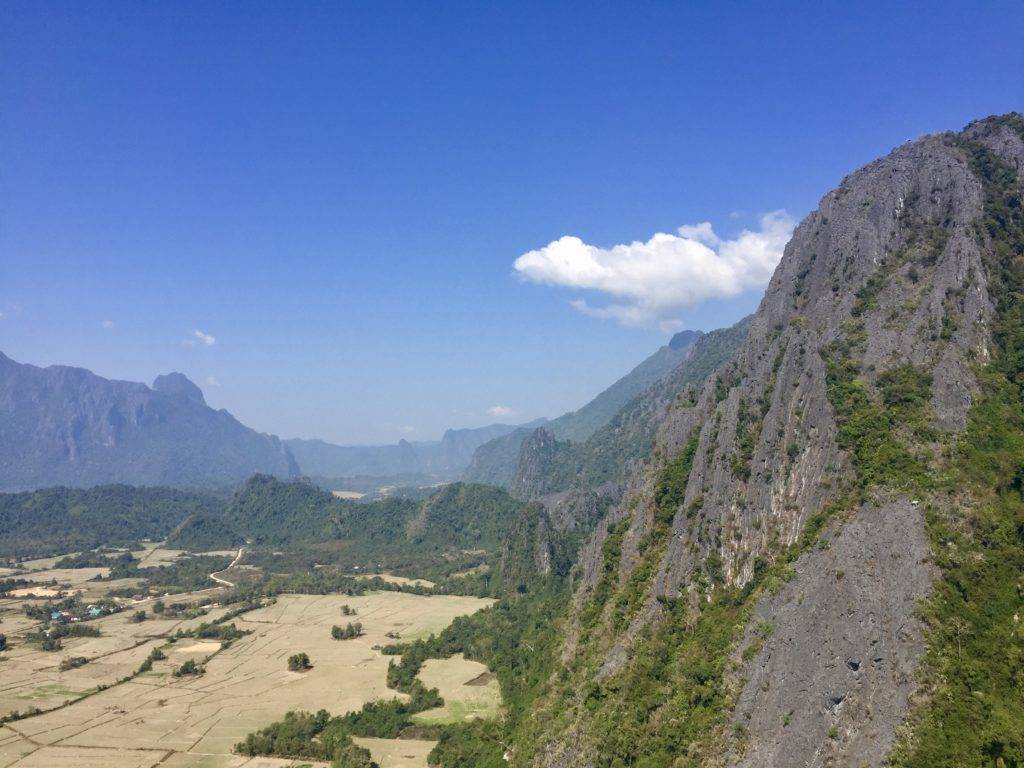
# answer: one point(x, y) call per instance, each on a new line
point(68, 580)
point(40, 564)
point(31, 678)
point(348, 494)
point(18, 753)
point(153, 556)
point(398, 753)
point(194, 721)
point(469, 690)
point(390, 578)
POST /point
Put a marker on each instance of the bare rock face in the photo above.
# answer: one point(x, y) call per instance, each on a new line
point(840, 645)
point(891, 269)
point(579, 508)
point(538, 458)
point(920, 199)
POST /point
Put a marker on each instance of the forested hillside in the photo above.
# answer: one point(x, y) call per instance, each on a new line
point(580, 424)
point(548, 465)
point(460, 525)
point(59, 520)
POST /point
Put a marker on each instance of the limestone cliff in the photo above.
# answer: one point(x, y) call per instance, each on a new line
point(708, 624)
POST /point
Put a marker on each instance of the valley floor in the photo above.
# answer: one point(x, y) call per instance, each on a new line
point(104, 714)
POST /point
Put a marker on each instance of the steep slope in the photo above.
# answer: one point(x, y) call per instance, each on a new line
point(577, 426)
point(68, 426)
point(548, 465)
point(847, 487)
point(457, 446)
point(496, 462)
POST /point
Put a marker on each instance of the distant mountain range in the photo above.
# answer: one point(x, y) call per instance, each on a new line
point(456, 453)
point(495, 462)
point(442, 459)
point(577, 426)
point(67, 426)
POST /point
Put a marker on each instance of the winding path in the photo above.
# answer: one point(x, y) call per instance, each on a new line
point(225, 582)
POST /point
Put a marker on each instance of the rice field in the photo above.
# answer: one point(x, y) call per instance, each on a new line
point(188, 722)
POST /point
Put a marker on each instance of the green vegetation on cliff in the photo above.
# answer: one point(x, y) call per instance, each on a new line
point(973, 671)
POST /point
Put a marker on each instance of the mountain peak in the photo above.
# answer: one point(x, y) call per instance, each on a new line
point(684, 339)
point(179, 384)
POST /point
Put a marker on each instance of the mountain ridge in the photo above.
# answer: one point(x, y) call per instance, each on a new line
point(62, 425)
point(740, 606)
point(495, 461)
point(434, 460)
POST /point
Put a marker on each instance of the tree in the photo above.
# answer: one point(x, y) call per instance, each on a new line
point(299, 662)
point(3, 642)
point(159, 607)
point(189, 668)
point(351, 630)
point(138, 617)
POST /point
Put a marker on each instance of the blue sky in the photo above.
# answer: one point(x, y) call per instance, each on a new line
point(337, 193)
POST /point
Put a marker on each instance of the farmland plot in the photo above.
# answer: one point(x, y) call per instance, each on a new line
point(195, 720)
point(468, 689)
point(32, 678)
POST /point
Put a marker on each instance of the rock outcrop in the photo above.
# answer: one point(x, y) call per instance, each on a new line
point(881, 305)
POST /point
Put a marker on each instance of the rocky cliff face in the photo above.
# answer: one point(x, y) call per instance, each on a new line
point(68, 426)
point(548, 465)
point(538, 467)
point(857, 375)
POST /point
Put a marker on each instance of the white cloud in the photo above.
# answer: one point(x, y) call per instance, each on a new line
point(211, 381)
point(407, 430)
point(500, 411)
point(650, 283)
point(205, 338)
point(2, 315)
point(108, 324)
